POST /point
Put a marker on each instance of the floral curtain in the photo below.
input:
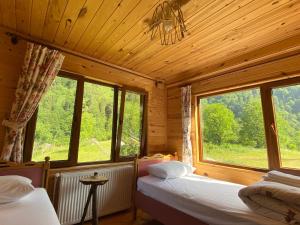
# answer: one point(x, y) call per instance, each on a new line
point(186, 108)
point(40, 67)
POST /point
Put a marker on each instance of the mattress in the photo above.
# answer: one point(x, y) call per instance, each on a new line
point(33, 209)
point(212, 201)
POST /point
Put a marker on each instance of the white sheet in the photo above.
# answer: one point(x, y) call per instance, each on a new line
point(212, 201)
point(33, 209)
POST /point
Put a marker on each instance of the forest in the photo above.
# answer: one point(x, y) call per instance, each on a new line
point(55, 116)
point(233, 128)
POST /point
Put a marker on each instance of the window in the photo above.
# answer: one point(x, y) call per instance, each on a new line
point(132, 125)
point(96, 123)
point(256, 128)
point(54, 121)
point(77, 122)
point(232, 129)
point(287, 116)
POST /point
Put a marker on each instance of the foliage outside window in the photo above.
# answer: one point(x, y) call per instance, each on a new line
point(287, 114)
point(253, 128)
point(77, 123)
point(96, 123)
point(233, 129)
point(54, 121)
point(132, 125)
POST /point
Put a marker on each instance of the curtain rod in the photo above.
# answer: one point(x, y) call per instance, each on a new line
point(16, 35)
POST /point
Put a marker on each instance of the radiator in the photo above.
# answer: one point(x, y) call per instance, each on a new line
point(114, 196)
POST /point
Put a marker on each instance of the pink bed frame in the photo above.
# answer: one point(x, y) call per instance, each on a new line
point(37, 172)
point(34, 173)
point(157, 210)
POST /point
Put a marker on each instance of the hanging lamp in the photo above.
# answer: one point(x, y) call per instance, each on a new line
point(168, 23)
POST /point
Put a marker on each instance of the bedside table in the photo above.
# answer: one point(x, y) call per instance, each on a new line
point(94, 181)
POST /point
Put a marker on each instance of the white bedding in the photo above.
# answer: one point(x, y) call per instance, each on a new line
point(211, 201)
point(33, 209)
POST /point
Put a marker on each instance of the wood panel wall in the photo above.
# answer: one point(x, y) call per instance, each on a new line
point(268, 71)
point(11, 59)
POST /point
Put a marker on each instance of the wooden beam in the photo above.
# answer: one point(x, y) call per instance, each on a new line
point(270, 128)
point(120, 125)
point(115, 124)
point(71, 52)
point(276, 70)
point(240, 66)
point(144, 105)
point(76, 123)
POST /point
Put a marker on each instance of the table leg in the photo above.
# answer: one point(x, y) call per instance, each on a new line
point(95, 211)
point(86, 205)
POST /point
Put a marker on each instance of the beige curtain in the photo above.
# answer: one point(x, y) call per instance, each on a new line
point(40, 67)
point(186, 108)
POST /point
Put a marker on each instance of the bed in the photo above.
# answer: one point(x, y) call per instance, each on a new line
point(194, 200)
point(35, 208)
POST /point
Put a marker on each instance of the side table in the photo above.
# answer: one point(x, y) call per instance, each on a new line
point(94, 181)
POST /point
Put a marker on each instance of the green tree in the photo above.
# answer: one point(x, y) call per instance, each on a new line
point(288, 136)
point(220, 125)
point(131, 132)
point(252, 131)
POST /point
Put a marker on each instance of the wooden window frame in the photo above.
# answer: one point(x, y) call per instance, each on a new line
point(76, 124)
point(268, 110)
point(144, 101)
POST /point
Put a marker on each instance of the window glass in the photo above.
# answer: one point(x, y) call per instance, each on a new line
point(287, 116)
point(232, 129)
point(132, 125)
point(96, 123)
point(54, 121)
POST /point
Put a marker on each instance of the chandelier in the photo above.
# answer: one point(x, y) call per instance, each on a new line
point(167, 22)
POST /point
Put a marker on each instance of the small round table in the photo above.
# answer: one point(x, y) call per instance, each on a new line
point(94, 181)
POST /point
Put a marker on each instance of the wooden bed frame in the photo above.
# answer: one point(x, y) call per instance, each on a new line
point(37, 172)
point(158, 210)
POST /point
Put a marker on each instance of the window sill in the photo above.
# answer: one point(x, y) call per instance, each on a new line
point(87, 166)
point(68, 164)
point(244, 176)
point(225, 165)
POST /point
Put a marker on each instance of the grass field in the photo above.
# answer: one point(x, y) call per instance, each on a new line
point(248, 156)
point(230, 154)
point(88, 151)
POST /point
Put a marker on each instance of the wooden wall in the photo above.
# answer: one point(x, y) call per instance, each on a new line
point(11, 59)
point(280, 68)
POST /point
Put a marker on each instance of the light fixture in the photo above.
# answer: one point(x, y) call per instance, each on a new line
point(167, 22)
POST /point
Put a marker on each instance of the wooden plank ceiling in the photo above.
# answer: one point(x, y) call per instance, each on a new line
point(115, 30)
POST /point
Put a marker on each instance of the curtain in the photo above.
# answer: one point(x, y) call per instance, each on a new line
point(186, 108)
point(40, 67)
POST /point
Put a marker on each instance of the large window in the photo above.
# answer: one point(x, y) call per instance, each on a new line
point(77, 122)
point(257, 128)
point(233, 129)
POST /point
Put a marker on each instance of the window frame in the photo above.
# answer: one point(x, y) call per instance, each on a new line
point(76, 124)
point(144, 101)
point(75, 130)
point(271, 134)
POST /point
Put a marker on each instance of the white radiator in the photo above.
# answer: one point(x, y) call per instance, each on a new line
point(113, 196)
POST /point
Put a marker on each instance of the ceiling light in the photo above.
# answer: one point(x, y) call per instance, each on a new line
point(168, 23)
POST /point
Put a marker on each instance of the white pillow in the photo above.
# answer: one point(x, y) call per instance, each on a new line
point(168, 170)
point(190, 169)
point(14, 187)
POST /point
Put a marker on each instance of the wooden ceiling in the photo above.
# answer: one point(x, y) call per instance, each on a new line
point(115, 30)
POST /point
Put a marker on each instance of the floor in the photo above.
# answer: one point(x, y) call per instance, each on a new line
point(125, 218)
